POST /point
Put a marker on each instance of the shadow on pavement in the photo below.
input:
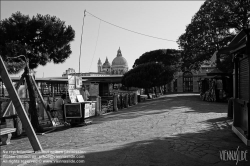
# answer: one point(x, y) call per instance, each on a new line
point(202, 148)
point(191, 102)
point(197, 148)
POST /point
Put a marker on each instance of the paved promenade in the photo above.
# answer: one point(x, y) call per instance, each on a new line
point(173, 130)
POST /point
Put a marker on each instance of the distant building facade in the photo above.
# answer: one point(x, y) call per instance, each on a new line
point(188, 81)
point(68, 72)
point(119, 65)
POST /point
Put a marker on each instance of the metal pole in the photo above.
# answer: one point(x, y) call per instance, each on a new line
point(81, 42)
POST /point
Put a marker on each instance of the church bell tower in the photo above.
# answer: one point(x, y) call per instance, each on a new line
point(99, 66)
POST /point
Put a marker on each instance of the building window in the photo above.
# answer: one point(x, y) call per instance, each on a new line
point(187, 81)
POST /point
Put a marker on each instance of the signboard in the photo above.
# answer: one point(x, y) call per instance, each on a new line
point(87, 110)
point(73, 110)
point(73, 95)
point(71, 80)
point(71, 86)
point(92, 111)
point(94, 89)
point(80, 98)
point(78, 82)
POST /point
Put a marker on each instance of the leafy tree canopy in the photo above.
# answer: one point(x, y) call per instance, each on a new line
point(168, 57)
point(148, 75)
point(41, 39)
point(211, 28)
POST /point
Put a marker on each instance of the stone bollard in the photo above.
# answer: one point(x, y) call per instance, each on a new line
point(98, 106)
point(132, 99)
point(126, 100)
point(122, 101)
point(129, 99)
point(115, 97)
point(135, 98)
point(118, 101)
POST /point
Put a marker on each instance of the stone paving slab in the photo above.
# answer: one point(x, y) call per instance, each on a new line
point(176, 129)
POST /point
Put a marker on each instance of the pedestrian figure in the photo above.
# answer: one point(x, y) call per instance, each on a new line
point(84, 92)
point(59, 106)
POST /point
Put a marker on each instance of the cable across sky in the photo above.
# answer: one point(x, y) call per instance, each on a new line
point(128, 29)
point(95, 44)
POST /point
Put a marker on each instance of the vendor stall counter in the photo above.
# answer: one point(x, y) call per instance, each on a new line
point(76, 113)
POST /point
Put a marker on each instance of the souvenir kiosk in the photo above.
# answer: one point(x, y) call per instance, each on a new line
point(239, 47)
point(76, 111)
point(216, 86)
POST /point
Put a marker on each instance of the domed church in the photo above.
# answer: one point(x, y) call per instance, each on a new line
point(119, 65)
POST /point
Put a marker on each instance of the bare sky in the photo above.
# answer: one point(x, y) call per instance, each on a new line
point(163, 19)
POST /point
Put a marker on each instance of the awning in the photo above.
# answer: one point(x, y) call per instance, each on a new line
point(213, 77)
point(206, 77)
point(216, 71)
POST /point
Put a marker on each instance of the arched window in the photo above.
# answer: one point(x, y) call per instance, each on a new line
point(187, 81)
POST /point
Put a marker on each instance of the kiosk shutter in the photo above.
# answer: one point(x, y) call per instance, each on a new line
point(244, 79)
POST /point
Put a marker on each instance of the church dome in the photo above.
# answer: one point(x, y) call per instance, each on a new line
point(119, 60)
point(106, 64)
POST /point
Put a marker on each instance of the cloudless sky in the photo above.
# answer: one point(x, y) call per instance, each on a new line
point(162, 19)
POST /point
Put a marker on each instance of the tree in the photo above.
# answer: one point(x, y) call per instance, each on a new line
point(148, 75)
point(41, 39)
point(168, 57)
point(212, 28)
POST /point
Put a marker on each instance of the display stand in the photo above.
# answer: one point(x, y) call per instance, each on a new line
point(78, 114)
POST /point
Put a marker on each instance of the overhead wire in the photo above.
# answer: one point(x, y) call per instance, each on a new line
point(129, 29)
point(95, 44)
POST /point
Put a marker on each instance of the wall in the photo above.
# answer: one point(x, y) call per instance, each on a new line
point(180, 84)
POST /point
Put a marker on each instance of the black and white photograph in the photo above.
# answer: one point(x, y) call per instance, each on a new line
point(125, 83)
